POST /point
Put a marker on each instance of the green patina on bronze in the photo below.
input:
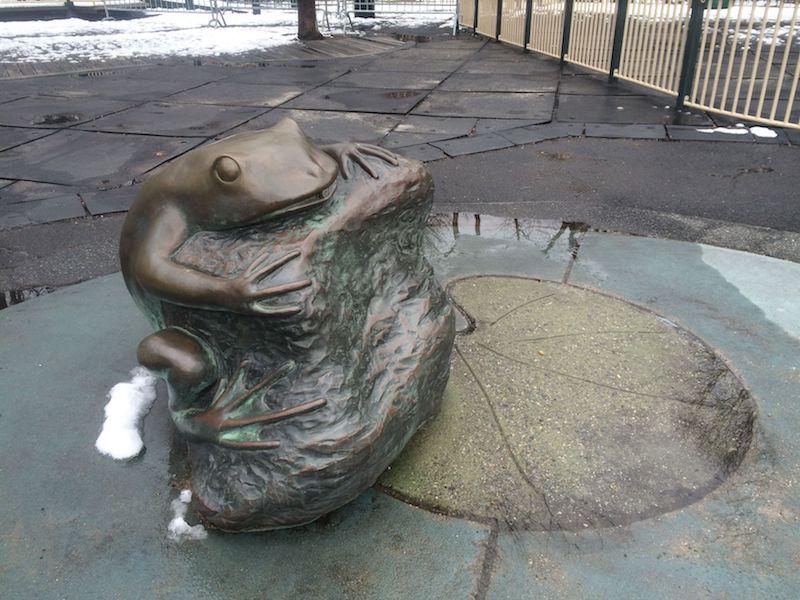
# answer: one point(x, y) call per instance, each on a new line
point(299, 326)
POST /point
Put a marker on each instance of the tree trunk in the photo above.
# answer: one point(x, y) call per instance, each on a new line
point(307, 20)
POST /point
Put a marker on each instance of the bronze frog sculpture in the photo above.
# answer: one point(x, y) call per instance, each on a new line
point(299, 327)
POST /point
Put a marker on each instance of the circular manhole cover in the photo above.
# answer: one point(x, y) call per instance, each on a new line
point(568, 409)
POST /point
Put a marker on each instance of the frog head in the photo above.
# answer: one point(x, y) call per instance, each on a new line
point(248, 178)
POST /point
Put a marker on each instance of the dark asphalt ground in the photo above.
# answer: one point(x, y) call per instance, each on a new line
point(737, 194)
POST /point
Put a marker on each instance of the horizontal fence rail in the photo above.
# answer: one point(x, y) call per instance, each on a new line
point(735, 57)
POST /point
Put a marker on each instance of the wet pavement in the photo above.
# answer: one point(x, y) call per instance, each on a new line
point(77, 145)
point(620, 420)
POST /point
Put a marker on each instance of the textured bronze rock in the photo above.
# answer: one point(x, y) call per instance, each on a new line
point(299, 327)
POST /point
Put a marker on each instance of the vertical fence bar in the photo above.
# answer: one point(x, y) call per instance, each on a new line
point(732, 56)
point(498, 20)
point(528, 18)
point(619, 33)
point(765, 78)
point(568, 7)
point(743, 61)
point(475, 18)
point(756, 60)
point(784, 62)
point(690, 54)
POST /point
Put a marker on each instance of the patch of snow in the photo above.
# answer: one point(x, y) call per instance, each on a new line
point(179, 33)
point(763, 132)
point(127, 405)
point(729, 130)
point(178, 529)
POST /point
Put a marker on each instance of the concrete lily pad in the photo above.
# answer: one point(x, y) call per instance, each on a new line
point(568, 409)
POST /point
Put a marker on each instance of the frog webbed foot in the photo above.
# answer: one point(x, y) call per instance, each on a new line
point(348, 154)
point(235, 415)
point(247, 294)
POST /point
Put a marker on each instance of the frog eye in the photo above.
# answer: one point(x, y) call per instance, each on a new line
point(227, 169)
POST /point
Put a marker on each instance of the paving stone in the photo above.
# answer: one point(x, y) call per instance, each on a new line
point(115, 86)
point(621, 109)
point(793, 135)
point(392, 64)
point(492, 125)
point(30, 203)
point(294, 75)
point(539, 133)
point(187, 74)
point(424, 53)
point(594, 86)
point(91, 158)
point(501, 52)
point(473, 144)
point(326, 127)
point(358, 100)
point(634, 132)
point(102, 202)
point(536, 107)
point(502, 82)
point(237, 94)
point(55, 113)
point(185, 120)
point(389, 80)
point(706, 134)
point(416, 129)
point(423, 152)
point(464, 41)
point(10, 96)
point(14, 136)
point(526, 67)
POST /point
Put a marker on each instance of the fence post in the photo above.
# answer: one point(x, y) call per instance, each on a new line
point(619, 34)
point(528, 18)
point(693, 34)
point(499, 20)
point(568, 6)
point(475, 18)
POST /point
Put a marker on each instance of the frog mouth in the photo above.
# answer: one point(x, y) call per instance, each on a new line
point(318, 198)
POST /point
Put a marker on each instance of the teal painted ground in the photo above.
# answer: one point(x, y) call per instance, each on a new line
point(74, 524)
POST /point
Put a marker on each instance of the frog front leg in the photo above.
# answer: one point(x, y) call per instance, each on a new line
point(155, 270)
point(349, 153)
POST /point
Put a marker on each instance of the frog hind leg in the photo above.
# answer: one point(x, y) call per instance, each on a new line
point(183, 360)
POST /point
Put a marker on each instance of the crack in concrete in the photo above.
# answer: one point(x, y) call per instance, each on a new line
point(504, 437)
point(596, 383)
point(523, 305)
point(566, 335)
